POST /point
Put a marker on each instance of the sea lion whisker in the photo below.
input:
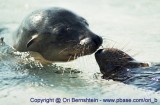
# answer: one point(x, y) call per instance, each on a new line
point(75, 56)
point(113, 44)
point(63, 50)
point(77, 46)
point(127, 50)
point(125, 45)
point(108, 39)
point(87, 48)
point(84, 47)
point(136, 54)
point(71, 41)
point(69, 58)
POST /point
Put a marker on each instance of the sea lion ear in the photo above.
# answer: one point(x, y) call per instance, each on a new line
point(32, 40)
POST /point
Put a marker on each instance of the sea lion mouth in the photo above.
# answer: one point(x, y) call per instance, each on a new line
point(83, 50)
point(79, 53)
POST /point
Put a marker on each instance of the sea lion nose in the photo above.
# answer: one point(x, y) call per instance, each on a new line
point(97, 40)
point(99, 51)
point(85, 41)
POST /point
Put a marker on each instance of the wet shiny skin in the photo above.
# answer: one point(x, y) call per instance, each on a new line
point(56, 34)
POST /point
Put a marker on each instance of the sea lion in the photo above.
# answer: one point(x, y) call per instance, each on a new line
point(55, 34)
point(111, 61)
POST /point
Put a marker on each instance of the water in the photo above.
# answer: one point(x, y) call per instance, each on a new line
point(132, 26)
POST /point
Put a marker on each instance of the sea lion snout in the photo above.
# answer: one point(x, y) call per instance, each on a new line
point(97, 40)
point(94, 41)
point(90, 44)
point(98, 52)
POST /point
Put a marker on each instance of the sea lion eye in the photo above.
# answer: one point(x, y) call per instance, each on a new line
point(64, 29)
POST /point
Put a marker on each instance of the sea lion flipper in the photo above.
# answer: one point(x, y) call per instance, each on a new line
point(32, 40)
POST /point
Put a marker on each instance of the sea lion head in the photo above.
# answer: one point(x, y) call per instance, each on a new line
point(56, 34)
point(111, 60)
